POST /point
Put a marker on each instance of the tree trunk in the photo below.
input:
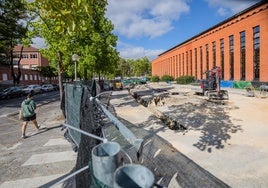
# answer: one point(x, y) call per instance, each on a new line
point(16, 77)
point(62, 98)
point(19, 72)
point(11, 67)
point(85, 74)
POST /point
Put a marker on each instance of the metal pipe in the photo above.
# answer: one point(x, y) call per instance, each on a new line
point(71, 175)
point(128, 135)
point(86, 133)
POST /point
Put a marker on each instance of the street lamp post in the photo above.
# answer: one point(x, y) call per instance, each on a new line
point(75, 58)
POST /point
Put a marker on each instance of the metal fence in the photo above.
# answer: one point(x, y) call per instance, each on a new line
point(86, 118)
point(114, 153)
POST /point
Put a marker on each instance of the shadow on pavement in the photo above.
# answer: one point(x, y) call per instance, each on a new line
point(209, 118)
point(44, 129)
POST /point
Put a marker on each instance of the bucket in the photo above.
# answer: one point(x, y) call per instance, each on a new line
point(133, 176)
point(105, 160)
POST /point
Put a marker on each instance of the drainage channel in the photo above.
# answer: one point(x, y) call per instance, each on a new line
point(149, 101)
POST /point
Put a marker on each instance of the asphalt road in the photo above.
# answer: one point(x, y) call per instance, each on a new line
point(12, 106)
point(41, 158)
point(9, 133)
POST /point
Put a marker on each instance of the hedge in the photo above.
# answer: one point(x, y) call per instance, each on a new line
point(185, 79)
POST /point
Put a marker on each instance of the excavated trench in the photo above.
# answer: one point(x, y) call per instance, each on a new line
point(151, 101)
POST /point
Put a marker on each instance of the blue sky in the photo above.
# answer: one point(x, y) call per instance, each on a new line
point(150, 27)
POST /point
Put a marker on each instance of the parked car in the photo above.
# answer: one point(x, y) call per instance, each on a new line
point(34, 88)
point(47, 87)
point(106, 85)
point(116, 84)
point(134, 81)
point(127, 81)
point(264, 87)
point(56, 86)
point(11, 93)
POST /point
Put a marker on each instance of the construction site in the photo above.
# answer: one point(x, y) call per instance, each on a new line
point(157, 134)
point(226, 137)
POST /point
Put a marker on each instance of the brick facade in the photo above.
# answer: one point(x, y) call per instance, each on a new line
point(203, 51)
point(31, 58)
point(28, 77)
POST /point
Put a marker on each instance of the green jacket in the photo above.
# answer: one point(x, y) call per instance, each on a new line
point(28, 106)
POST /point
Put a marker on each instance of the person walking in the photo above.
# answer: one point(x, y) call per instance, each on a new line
point(28, 107)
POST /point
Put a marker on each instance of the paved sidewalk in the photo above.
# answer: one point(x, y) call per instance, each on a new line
point(42, 157)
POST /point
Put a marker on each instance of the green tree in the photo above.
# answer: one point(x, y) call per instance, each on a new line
point(131, 63)
point(98, 45)
point(78, 27)
point(13, 30)
point(131, 67)
point(142, 66)
point(58, 23)
point(123, 68)
point(47, 71)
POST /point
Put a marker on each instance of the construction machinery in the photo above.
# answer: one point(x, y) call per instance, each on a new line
point(211, 85)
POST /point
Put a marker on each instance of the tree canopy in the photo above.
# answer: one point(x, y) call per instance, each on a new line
point(14, 20)
point(68, 27)
point(12, 28)
point(47, 71)
point(130, 67)
point(77, 27)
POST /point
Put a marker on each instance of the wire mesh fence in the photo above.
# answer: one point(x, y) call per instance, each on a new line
point(106, 143)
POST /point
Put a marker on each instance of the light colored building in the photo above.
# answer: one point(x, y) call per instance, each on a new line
point(239, 45)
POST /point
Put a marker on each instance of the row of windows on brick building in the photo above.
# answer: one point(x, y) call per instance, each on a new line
point(256, 57)
point(29, 77)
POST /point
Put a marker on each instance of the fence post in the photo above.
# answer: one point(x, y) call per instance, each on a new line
point(133, 175)
point(105, 160)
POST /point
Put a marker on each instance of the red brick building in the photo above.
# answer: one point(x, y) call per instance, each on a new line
point(31, 58)
point(28, 76)
point(239, 45)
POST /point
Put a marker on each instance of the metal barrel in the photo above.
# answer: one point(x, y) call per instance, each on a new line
point(105, 160)
point(133, 176)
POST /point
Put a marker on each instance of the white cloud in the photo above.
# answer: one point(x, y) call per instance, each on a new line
point(143, 19)
point(222, 11)
point(133, 52)
point(231, 6)
point(150, 18)
point(38, 42)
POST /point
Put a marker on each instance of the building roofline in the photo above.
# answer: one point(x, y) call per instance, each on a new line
point(17, 48)
point(217, 25)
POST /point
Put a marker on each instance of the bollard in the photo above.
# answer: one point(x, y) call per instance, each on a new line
point(133, 176)
point(105, 160)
